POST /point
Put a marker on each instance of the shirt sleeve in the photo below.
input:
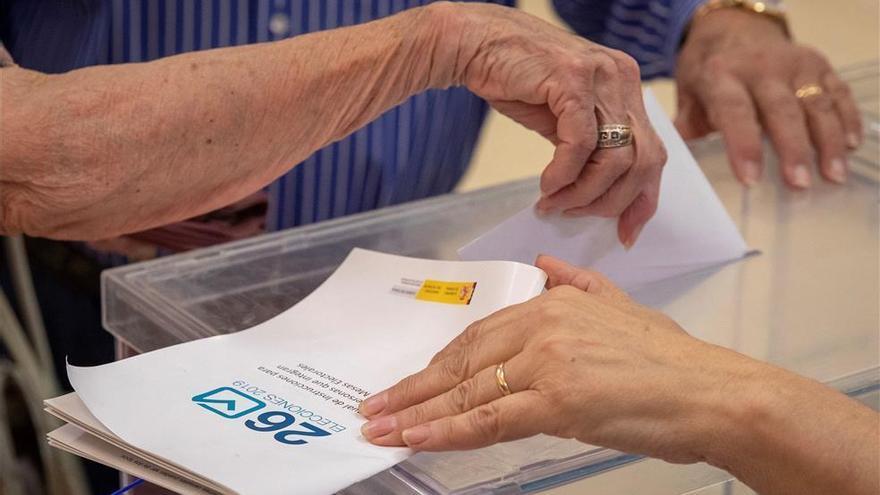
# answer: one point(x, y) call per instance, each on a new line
point(649, 30)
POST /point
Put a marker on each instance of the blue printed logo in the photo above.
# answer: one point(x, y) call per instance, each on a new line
point(228, 402)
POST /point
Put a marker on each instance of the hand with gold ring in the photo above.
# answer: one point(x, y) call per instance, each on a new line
point(584, 361)
point(531, 368)
point(566, 87)
point(739, 73)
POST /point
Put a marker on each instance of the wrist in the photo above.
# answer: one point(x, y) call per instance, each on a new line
point(727, 22)
point(443, 42)
point(742, 404)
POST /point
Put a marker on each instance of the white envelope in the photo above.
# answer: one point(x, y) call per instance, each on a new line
point(690, 231)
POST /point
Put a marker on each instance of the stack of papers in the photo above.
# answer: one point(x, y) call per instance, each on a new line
point(272, 409)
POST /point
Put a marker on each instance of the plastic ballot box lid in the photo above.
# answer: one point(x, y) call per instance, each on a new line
point(808, 302)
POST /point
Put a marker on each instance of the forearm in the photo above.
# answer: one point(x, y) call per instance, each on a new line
point(785, 434)
point(108, 150)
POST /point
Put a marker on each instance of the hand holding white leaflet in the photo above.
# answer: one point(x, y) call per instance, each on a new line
point(691, 229)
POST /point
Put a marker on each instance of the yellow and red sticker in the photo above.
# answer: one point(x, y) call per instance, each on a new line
point(446, 292)
point(439, 291)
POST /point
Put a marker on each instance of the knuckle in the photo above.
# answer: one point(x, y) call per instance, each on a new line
point(749, 148)
point(471, 333)
point(559, 293)
point(607, 65)
point(455, 366)
point(582, 147)
point(653, 158)
point(462, 396)
point(629, 68)
point(486, 422)
point(730, 101)
point(822, 104)
point(552, 312)
point(553, 349)
point(415, 415)
point(780, 101)
point(614, 160)
point(610, 204)
point(716, 66)
point(841, 91)
point(576, 66)
point(783, 106)
point(814, 57)
point(404, 388)
point(661, 156)
point(626, 66)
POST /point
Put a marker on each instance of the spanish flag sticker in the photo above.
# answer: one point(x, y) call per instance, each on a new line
point(446, 292)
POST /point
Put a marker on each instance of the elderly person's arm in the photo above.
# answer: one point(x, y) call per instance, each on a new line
point(584, 361)
point(103, 151)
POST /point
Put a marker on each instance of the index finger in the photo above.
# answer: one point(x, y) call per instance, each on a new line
point(576, 131)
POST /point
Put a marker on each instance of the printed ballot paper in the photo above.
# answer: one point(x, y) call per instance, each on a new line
point(690, 231)
point(272, 409)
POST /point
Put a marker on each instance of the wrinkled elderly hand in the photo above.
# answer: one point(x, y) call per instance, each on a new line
point(738, 73)
point(583, 361)
point(563, 86)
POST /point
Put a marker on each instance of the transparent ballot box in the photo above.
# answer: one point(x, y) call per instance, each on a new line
point(808, 302)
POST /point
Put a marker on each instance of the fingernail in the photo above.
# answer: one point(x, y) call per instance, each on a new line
point(373, 405)
point(542, 208)
point(800, 176)
point(414, 436)
point(751, 172)
point(379, 427)
point(837, 170)
point(633, 238)
point(853, 140)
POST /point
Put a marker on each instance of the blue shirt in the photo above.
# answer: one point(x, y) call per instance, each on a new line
point(415, 150)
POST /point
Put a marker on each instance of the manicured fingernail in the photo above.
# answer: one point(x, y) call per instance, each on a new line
point(414, 436)
point(800, 176)
point(853, 140)
point(837, 170)
point(631, 241)
point(379, 427)
point(373, 405)
point(751, 173)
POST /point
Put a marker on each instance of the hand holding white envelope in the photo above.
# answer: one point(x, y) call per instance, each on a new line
point(691, 229)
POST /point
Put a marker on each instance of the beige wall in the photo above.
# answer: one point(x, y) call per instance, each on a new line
point(846, 30)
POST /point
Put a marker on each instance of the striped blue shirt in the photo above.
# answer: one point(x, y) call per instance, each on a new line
point(415, 150)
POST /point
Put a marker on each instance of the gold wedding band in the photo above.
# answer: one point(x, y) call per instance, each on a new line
point(499, 378)
point(614, 136)
point(809, 90)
